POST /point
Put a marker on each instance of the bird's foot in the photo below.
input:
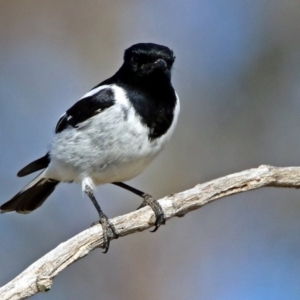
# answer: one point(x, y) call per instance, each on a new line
point(109, 231)
point(160, 218)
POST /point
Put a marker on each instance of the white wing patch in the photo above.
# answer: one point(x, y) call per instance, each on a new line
point(95, 91)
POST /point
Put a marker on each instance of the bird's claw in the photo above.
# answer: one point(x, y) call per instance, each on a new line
point(109, 231)
point(160, 218)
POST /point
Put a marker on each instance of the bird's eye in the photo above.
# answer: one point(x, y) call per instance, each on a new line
point(134, 60)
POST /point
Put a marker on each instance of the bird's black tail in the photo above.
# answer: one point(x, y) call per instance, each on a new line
point(32, 196)
point(36, 165)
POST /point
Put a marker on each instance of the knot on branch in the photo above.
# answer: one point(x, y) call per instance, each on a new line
point(44, 283)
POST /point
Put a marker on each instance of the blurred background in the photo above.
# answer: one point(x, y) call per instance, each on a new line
point(237, 73)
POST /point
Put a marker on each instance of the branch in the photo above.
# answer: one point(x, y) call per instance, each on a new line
point(38, 277)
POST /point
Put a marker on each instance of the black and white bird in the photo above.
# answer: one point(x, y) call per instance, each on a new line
point(110, 135)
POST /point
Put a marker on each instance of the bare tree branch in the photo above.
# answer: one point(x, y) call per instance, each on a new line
point(38, 277)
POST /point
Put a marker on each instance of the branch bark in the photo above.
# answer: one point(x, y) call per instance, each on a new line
point(39, 276)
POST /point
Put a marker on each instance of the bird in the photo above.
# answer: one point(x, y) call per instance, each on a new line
point(110, 135)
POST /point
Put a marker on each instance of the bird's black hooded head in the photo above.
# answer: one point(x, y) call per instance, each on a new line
point(145, 60)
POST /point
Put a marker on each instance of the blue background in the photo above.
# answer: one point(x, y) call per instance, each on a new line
point(237, 73)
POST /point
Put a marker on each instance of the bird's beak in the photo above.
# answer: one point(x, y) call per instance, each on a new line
point(159, 64)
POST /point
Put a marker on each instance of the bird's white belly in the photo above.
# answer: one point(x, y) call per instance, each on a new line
point(121, 172)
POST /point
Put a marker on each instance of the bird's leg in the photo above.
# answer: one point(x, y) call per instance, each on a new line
point(109, 230)
point(147, 200)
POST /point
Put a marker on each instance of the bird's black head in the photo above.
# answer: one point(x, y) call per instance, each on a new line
point(145, 60)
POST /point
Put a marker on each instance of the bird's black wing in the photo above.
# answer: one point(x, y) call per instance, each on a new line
point(86, 108)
